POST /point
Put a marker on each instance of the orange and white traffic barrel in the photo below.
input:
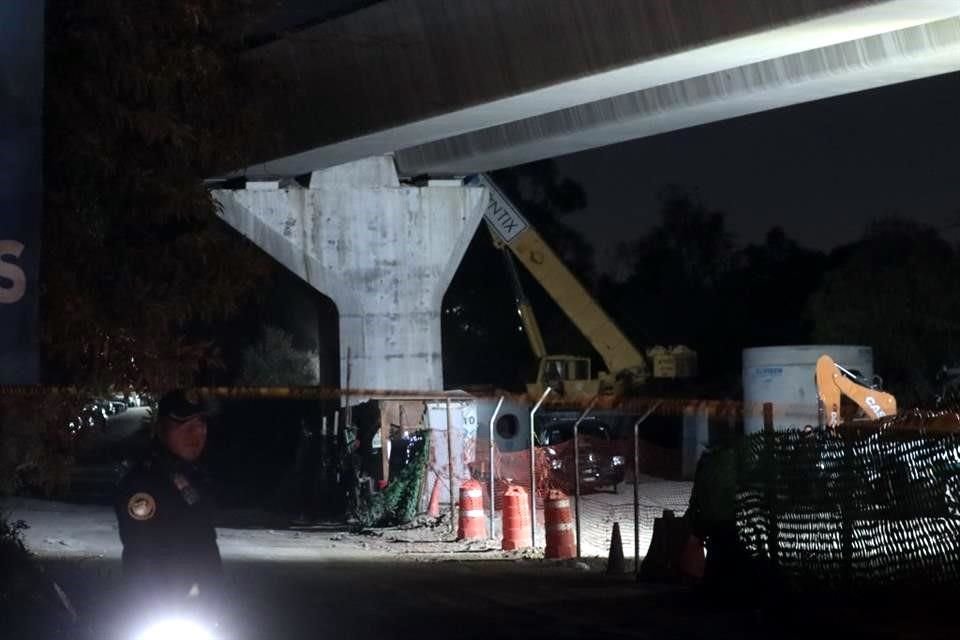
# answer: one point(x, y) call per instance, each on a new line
point(473, 520)
point(561, 542)
point(516, 519)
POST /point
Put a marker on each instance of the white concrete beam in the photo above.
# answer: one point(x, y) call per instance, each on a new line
point(890, 58)
point(409, 72)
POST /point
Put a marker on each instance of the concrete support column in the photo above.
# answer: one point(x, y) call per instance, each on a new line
point(383, 252)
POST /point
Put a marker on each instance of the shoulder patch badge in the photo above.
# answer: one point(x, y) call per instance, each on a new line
point(142, 506)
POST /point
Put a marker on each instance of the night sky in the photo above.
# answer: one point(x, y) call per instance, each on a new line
point(821, 170)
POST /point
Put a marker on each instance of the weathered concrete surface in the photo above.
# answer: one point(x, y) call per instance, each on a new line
point(384, 253)
point(867, 63)
point(404, 73)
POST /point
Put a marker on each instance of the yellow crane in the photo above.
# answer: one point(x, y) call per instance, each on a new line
point(568, 374)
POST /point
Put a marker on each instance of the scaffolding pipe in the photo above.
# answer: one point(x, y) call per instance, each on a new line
point(533, 471)
point(576, 468)
point(636, 488)
point(493, 502)
point(453, 503)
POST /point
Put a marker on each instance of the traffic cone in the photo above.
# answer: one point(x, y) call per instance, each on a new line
point(692, 559)
point(664, 557)
point(433, 510)
point(615, 562)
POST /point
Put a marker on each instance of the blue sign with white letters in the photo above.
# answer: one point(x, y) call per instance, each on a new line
point(21, 198)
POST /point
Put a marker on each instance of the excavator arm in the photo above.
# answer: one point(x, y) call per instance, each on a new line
point(833, 382)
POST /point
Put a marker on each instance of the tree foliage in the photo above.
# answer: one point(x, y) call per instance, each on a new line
point(763, 299)
point(676, 274)
point(898, 291)
point(688, 282)
point(482, 338)
point(545, 198)
point(37, 450)
point(274, 361)
point(142, 101)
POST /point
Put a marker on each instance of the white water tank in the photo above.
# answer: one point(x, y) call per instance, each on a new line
point(784, 375)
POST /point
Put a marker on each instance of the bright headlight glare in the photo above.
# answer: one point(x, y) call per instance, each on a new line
point(617, 461)
point(176, 630)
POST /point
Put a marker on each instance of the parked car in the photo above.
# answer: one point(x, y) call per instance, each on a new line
point(90, 419)
point(600, 464)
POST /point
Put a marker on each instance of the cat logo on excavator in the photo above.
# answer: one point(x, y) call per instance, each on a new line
point(834, 381)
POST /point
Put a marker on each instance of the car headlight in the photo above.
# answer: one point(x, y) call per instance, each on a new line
point(556, 464)
point(176, 629)
point(617, 461)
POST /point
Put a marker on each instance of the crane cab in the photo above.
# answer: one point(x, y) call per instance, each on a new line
point(569, 376)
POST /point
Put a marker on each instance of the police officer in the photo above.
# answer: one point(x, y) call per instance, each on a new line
point(165, 511)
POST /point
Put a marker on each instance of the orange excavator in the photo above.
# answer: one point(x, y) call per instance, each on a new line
point(834, 381)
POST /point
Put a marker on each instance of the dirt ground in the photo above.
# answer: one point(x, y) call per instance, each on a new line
point(65, 530)
point(407, 582)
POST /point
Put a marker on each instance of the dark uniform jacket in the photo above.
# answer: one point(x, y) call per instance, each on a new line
point(165, 515)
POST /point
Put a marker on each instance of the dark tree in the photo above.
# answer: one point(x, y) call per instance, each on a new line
point(898, 291)
point(483, 341)
point(675, 284)
point(142, 100)
point(765, 295)
point(274, 361)
point(545, 198)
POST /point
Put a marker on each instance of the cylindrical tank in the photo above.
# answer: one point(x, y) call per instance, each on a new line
point(784, 376)
point(512, 430)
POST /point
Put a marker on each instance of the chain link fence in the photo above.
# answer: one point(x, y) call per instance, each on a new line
point(601, 459)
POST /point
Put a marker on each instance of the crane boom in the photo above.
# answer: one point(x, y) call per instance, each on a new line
point(527, 318)
point(513, 230)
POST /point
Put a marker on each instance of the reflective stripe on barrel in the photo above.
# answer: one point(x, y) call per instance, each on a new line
point(561, 541)
point(472, 523)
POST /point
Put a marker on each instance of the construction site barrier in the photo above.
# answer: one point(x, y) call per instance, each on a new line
point(851, 509)
point(559, 526)
point(473, 519)
point(516, 519)
point(604, 501)
point(665, 557)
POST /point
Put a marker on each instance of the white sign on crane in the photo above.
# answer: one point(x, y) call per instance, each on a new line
point(501, 215)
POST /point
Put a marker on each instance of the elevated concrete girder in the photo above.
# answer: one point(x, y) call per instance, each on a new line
point(384, 253)
point(866, 63)
point(404, 73)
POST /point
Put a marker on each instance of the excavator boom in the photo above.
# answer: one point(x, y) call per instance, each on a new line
point(832, 383)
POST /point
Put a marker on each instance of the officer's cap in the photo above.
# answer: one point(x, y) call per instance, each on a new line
point(181, 405)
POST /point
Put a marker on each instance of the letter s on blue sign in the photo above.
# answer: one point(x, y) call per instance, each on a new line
point(10, 272)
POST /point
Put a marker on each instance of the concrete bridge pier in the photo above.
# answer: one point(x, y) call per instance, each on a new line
point(385, 253)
